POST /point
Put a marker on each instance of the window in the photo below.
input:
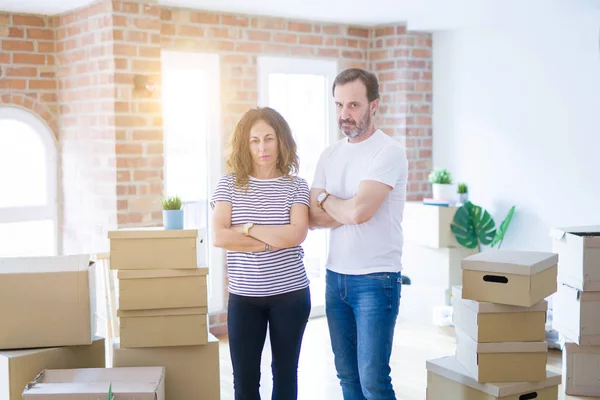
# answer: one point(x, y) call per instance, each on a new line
point(192, 147)
point(300, 89)
point(28, 186)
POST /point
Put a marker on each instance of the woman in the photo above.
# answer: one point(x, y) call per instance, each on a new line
point(261, 218)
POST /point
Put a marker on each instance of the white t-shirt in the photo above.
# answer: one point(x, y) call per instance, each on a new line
point(376, 245)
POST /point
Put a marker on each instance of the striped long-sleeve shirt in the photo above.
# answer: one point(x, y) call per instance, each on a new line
point(266, 202)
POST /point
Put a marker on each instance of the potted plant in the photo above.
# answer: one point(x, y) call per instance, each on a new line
point(474, 226)
point(463, 193)
point(441, 183)
point(172, 213)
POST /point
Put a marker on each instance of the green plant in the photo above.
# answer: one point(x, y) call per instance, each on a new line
point(462, 188)
point(110, 393)
point(171, 203)
point(474, 226)
point(503, 227)
point(441, 176)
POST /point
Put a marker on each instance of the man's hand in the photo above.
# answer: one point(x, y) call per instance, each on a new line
point(318, 218)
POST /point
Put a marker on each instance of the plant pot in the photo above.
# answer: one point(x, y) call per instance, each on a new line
point(463, 198)
point(444, 191)
point(173, 219)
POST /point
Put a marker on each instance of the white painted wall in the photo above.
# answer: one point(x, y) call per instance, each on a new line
point(516, 115)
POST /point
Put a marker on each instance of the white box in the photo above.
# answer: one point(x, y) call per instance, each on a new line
point(447, 379)
point(576, 315)
point(578, 251)
point(581, 370)
point(434, 267)
point(418, 302)
point(512, 277)
point(428, 225)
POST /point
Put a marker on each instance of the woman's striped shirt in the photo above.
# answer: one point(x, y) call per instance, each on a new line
point(266, 202)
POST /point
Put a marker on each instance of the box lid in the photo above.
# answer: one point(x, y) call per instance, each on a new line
point(17, 353)
point(49, 264)
point(589, 233)
point(142, 381)
point(577, 294)
point(116, 343)
point(504, 347)
point(575, 348)
point(154, 233)
point(485, 307)
point(515, 262)
point(162, 312)
point(450, 368)
point(161, 273)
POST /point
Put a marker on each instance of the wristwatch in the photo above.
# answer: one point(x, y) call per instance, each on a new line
point(247, 228)
point(321, 199)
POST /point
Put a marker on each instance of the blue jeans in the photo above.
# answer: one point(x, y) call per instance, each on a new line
point(361, 314)
point(286, 316)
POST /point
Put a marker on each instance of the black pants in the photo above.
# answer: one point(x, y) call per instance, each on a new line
point(247, 319)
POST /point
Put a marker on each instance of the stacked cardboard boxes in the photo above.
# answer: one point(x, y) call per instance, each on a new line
point(499, 315)
point(577, 307)
point(163, 305)
point(47, 319)
point(431, 258)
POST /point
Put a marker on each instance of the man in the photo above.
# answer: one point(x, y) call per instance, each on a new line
point(359, 191)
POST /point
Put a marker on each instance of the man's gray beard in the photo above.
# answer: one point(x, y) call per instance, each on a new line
point(359, 129)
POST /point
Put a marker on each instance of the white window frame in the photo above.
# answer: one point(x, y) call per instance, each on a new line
point(50, 210)
point(267, 65)
point(215, 256)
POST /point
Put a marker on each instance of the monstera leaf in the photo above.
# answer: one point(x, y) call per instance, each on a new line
point(502, 229)
point(473, 226)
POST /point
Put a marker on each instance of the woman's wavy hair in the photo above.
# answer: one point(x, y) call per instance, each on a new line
point(240, 162)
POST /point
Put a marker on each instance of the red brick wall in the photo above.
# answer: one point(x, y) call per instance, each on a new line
point(138, 116)
point(241, 39)
point(86, 95)
point(402, 61)
point(27, 65)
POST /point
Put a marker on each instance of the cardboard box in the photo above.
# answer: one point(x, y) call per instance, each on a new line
point(580, 370)
point(579, 254)
point(161, 289)
point(140, 383)
point(496, 323)
point(19, 367)
point(577, 315)
point(434, 267)
point(192, 371)
point(47, 301)
point(169, 327)
point(428, 225)
point(502, 362)
point(418, 302)
point(156, 248)
point(512, 277)
point(447, 379)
